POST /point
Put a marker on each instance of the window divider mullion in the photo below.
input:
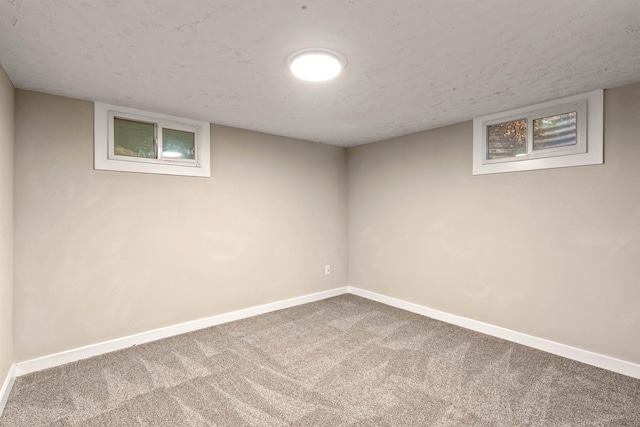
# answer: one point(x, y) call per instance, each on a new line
point(529, 135)
point(158, 140)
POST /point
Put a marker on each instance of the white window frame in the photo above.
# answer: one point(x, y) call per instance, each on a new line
point(589, 131)
point(106, 159)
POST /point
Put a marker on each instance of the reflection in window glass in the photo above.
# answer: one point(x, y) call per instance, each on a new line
point(555, 131)
point(134, 139)
point(507, 139)
point(178, 144)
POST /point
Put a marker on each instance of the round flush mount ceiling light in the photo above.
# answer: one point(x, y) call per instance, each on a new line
point(316, 64)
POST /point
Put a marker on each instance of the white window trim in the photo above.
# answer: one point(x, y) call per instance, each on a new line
point(589, 150)
point(105, 158)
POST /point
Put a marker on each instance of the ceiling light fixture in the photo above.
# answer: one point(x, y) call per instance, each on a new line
point(316, 64)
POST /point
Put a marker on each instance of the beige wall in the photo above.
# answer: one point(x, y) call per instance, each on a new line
point(6, 224)
point(552, 253)
point(102, 255)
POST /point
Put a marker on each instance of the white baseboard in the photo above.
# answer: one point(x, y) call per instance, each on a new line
point(573, 353)
point(584, 356)
point(6, 387)
point(50, 361)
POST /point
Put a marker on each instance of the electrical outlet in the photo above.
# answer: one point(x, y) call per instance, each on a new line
point(327, 269)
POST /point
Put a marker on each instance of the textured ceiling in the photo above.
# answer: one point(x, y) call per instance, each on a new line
point(412, 65)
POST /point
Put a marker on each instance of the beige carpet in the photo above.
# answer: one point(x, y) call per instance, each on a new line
point(344, 361)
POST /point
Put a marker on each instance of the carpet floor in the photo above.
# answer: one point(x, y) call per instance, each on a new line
point(343, 361)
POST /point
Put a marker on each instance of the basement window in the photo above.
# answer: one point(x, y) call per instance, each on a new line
point(561, 133)
point(131, 140)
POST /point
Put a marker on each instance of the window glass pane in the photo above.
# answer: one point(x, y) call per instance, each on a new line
point(555, 131)
point(178, 144)
point(507, 139)
point(133, 138)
